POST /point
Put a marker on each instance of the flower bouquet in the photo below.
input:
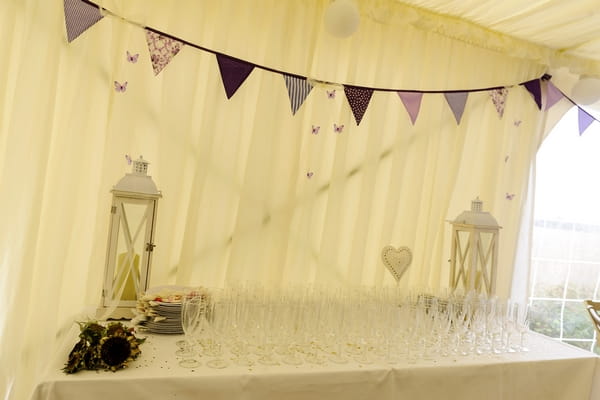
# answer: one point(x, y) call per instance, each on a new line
point(108, 347)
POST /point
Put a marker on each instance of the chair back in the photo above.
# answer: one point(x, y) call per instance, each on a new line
point(593, 308)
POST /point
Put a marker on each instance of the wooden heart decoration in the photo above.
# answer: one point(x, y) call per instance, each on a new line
point(396, 261)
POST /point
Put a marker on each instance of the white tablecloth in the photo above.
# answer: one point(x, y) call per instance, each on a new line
point(551, 370)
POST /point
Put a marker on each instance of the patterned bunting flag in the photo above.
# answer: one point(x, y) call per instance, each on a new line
point(553, 95)
point(412, 103)
point(162, 49)
point(359, 99)
point(457, 101)
point(499, 99)
point(233, 73)
point(534, 87)
point(298, 89)
point(79, 16)
point(584, 120)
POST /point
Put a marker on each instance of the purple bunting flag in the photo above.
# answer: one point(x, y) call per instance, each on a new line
point(359, 99)
point(584, 119)
point(79, 16)
point(499, 99)
point(457, 101)
point(233, 73)
point(534, 87)
point(412, 103)
point(298, 89)
point(553, 95)
point(162, 49)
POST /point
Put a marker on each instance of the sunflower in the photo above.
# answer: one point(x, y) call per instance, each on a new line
point(76, 360)
point(92, 332)
point(100, 347)
point(115, 351)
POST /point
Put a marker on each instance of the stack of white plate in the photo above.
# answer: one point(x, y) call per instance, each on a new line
point(167, 319)
point(159, 310)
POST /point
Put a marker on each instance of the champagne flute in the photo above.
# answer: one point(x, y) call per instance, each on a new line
point(218, 321)
point(523, 316)
point(192, 309)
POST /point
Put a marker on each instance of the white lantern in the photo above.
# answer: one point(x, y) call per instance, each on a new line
point(474, 250)
point(130, 241)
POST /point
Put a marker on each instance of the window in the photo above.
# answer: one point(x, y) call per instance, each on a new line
point(565, 268)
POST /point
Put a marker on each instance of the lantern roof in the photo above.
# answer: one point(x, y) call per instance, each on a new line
point(138, 181)
point(476, 216)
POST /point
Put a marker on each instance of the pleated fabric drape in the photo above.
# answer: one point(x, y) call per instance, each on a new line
point(249, 191)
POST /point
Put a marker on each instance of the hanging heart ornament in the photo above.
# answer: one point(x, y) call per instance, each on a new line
point(396, 261)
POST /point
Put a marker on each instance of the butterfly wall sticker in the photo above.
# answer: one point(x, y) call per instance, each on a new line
point(132, 58)
point(331, 94)
point(315, 130)
point(517, 122)
point(309, 174)
point(128, 158)
point(510, 196)
point(338, 128)
point(120, 87)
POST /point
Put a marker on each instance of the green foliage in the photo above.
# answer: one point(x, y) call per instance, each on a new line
point(545, 316)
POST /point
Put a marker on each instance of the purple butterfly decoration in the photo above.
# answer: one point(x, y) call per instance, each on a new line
point(309, 174)
point(506, 158)
point(338, 128)
point(510, 196)
point(331, 94)
point(132, 58)
point(315, 129)
point(517, 122)
point(120, 87)
point(128, 158)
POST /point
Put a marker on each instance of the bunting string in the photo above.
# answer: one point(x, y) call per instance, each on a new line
point(266, 68)
point(584, 118)
point(80, 15)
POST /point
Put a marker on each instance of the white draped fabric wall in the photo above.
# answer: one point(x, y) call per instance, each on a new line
point(237, 203)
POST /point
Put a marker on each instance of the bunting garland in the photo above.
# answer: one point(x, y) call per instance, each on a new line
point(298, 89)
point(412, 103)
point(233, 73)
point(553, 95)
point(80, 15)
point(584, 120)
point(534, 87)
point(162, 49)
point(359, 99)
point(499, 99)
point(457, 101)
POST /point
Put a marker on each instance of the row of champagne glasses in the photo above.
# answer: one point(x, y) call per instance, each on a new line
point(249, 323)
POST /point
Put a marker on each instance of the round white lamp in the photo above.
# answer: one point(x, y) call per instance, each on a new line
point(586, 91)
point(342, 18)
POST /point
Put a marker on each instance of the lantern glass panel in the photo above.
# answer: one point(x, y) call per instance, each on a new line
point(127, 274)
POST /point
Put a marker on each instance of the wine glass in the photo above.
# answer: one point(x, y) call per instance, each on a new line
point(192, 309)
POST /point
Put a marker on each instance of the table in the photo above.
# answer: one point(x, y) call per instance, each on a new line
point(551, 370)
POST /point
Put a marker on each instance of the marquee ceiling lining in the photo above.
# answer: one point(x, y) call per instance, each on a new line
point(567, 32)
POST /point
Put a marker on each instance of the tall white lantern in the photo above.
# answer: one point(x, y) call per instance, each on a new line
point(474, 250)
point(130, 241)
